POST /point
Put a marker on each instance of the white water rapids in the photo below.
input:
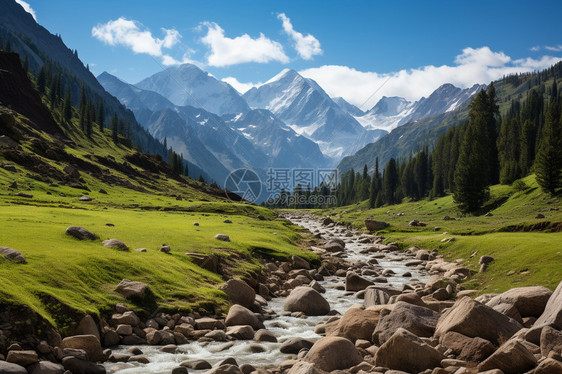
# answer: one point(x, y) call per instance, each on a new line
point(282, 326)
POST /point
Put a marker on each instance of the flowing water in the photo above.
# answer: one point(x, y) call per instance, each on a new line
point(282, 325)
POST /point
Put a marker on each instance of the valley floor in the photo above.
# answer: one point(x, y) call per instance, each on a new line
point(522, 231)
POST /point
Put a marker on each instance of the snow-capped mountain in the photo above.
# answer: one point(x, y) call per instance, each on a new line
point(348, 107)
point(284, 147)
point(255, 140)
point(391, 112)
point(305, 107)
point(188, 85)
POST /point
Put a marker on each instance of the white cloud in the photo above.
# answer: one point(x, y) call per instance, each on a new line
point(480, 65)
point(307, 45)
point(240, 86)
point(27, 8)
point(227, 51)
point(554, 48)
point(535, 48)
point(134, 35)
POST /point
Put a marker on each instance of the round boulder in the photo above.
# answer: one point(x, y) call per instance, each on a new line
point(80, 233)
point(116, 244)
point(239, 315)
point(333, 353)
point(307, 301)
point(239, 292)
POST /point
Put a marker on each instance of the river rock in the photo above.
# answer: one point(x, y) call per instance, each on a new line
point(511, 358)
point(23, 358)
point(78, 366)
point(549, 366)
point(470, 318)
point(529, 301)
point(308, 301)
point(239, 315)
point(87, 326)
point(294, 345)
point(44, 367)
point(196, 364)
point(180, 370)
point(354, 282)
point(374, 297)
point(225, 369)
point(9, 368)
point(80, 233)
point(416, 319)
point(405, 351)
point(116, 244)
point(374, 225)
point(263, 335)
point(124, 329)
point(127, 318)
point(552, 314)
point(334, 245)
point(470, 349)
point(208, 262)
point(333, 353)
point(300, 263)
point(132, 289)
point(356, 324)
point(240, 332)
point(239, 292)
point(551, 341)
point(88, 343)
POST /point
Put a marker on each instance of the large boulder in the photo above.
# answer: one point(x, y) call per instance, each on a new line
point(355, 282)
point(513, 357)
point(405, 351)
point(470, 318)
point(133, 289)
point(374, 296)
point(294, 345)
point(308, 301)
point(300, 263)
point(549, 366)
point(552, 314)
point(243, 332)
point(239, 315)
point(357, 323)
point(469, 349)
point(79, 366)
point(529, 301)
point(302, 367)
point(89, 343)
point(80, 233)
point(115, 244)
point(333, 353)
point(45, 367)
point(239, 292)
point(12, 255)
point(87, 326)
point(23, 358)
point(551, 341)
point(9, 368)
point(418, 320)
point(374, 225)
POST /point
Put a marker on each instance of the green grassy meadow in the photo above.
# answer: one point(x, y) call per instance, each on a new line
point(521, 258)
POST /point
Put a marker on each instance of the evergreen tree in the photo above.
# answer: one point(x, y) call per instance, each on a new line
point(101, 116)
point(509, 148)
point(548, 165)
point(390, 182)
point(41, 80)
point(67, 107)
point(115, 128)
point(472, 174)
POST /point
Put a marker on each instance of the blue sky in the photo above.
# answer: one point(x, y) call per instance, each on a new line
point(352, 48)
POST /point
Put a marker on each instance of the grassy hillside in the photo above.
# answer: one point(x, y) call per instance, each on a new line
point(527, 249)
point(145, 202)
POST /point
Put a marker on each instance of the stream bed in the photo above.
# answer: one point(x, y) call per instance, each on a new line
point(283, 326)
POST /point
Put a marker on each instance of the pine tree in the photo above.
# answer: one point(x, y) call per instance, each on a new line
point(67, 107)
point(82, 108)
point(115, 128)
point(101, 116)
point(472, 174)
point(548, 165)
point(390, 182)
point(41, 80)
